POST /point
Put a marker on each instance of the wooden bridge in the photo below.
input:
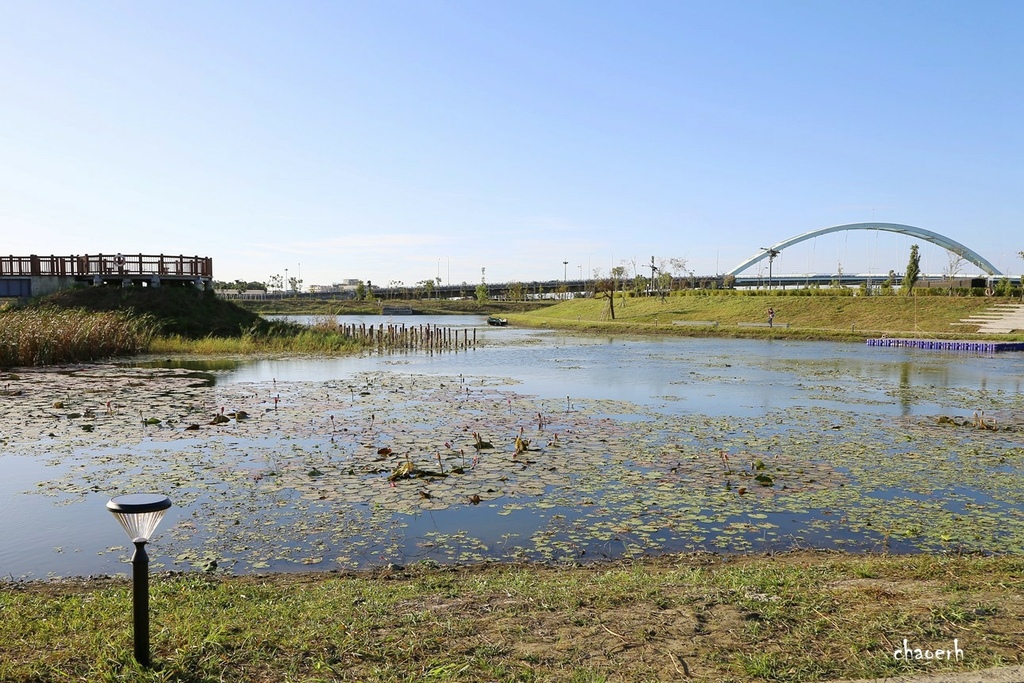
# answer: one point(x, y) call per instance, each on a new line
point(24, 276)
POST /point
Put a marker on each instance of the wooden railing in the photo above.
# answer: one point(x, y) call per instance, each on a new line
point(107, 265)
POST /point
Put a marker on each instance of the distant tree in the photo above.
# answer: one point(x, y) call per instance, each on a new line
point(295, 284)
point(276, 282)
point(889, 283)
point(426, 287)
point(955, 263)
point(627, 268)
point(515, 291)
point(913, 273)
point(677, 266)
point(360, 291)
point(663, 281)
point(1002, 287)
point(606, 287)
point(639, 285)
point(618, 273)
point(728, 281)
point(481, 289)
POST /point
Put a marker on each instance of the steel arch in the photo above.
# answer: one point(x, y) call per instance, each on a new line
point(933, 237)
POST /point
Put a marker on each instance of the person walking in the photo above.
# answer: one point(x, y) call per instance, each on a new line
point(771, 316)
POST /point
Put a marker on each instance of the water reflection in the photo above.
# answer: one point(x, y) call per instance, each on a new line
point(903, 394)
point(198, 364)
point(687, 375)
point(453, 321)
point(775, 397)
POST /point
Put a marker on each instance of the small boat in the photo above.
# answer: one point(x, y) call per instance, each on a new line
point(497, 322)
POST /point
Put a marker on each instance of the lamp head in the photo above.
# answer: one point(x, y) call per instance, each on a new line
point(139, 513)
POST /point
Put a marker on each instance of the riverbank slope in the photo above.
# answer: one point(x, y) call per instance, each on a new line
point(824, 316)
point(184, 311)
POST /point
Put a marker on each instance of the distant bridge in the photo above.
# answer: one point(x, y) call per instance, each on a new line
point(927, 235)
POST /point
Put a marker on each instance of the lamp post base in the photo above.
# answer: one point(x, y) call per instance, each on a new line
point(140, 602)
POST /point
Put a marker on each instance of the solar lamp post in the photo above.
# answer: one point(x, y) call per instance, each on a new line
point(139, 514)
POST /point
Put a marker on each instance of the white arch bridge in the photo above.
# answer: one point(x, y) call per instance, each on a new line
point(927, 235)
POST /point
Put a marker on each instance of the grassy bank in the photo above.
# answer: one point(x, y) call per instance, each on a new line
point(183, 311)
point(93, 323)
point(97, 322)
point(79, 324)
point(810, 317)
point(796, 617)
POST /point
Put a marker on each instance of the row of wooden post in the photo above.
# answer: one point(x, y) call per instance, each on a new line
point(392, 337)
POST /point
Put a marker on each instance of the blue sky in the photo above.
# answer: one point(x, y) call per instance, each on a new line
point(385, 140)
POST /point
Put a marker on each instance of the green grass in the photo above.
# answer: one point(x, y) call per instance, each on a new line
point(797, 617)
point(822, 316)
point(304, 341)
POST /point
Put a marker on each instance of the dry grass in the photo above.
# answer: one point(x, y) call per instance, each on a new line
point(54, 336)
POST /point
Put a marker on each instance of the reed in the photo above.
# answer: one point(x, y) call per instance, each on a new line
point(310, 341)
point(50, 336)
point(325, 337)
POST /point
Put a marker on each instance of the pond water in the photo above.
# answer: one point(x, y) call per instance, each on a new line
point(634, 446)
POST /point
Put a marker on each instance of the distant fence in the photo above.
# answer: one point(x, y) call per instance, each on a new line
point(393, 337)
point(107, 265)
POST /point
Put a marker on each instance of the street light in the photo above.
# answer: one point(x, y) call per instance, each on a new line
point(139, 514)
point(772, 253)
point(565, 269)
